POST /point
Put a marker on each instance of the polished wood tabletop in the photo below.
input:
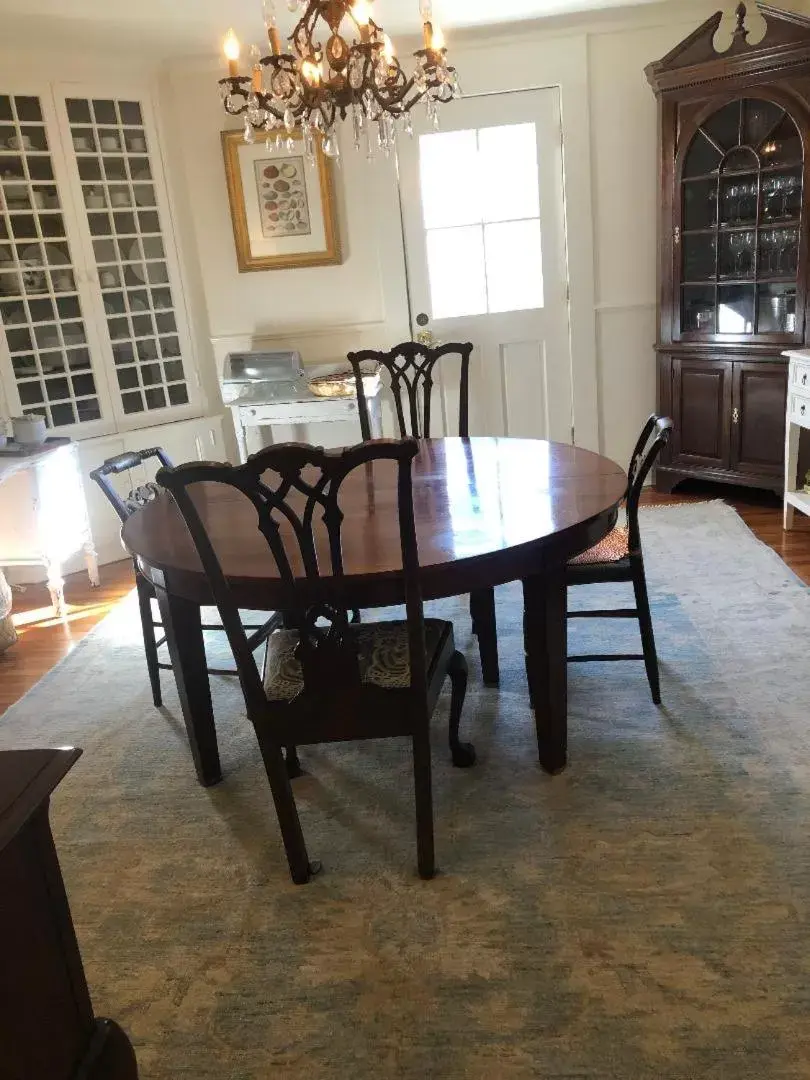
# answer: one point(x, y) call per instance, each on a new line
point(487, 510)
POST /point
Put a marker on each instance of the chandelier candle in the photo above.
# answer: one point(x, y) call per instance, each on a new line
point(339, 64)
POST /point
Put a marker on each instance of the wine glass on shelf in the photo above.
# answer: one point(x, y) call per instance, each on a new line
point(736, 246)
point(729, 199)
point(766, 253)
point(769, 198)
point(748, 201)
point(792, 252)
point(781, 248)
point(791, 186)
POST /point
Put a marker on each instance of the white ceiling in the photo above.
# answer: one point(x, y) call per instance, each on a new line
point(197, 26)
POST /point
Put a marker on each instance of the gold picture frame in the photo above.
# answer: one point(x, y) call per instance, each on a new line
point(282, 209)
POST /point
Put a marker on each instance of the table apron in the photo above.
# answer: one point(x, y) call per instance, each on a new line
point(383, 590)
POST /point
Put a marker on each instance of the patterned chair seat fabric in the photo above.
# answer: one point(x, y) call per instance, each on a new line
point(613, 548)
point(382, 652)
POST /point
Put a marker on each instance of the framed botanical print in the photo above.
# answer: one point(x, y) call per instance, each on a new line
point(282, 208)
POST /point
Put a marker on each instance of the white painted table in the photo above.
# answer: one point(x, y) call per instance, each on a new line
point(43, 513)
point(295, 420)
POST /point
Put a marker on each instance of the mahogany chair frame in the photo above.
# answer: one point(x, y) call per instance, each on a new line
point(334, 704)
point(411, 367)
point(124, 506)
point(653, 438)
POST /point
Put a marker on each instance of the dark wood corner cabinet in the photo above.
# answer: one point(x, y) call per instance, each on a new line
point(47, 1027)
point(733, 245)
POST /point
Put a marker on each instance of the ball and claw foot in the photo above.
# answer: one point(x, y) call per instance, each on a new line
point(463, 754)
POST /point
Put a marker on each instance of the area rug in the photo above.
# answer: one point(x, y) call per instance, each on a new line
point(643, 915)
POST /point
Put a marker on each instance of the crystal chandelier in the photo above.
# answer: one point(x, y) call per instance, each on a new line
point(354, 74)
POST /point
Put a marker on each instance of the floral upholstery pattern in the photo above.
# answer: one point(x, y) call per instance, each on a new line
point(613, 548)
point(382, 652)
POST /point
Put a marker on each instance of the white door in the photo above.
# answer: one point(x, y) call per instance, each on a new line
point(484, 226)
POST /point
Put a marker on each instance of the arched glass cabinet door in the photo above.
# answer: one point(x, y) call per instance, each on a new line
point(739, 248)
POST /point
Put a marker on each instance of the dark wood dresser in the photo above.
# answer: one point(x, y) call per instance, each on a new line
point(47, 1027)
point(733, 245)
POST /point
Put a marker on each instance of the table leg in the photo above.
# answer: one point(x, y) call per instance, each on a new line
point(546, 645)
point(184, 637)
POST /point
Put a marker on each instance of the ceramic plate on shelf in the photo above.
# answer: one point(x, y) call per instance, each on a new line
point(31, 256)
point(55, 255)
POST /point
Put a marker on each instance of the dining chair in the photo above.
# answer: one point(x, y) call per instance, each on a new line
point(618, 557)
point(327, 679)
point(129, 504)
point(411, 366)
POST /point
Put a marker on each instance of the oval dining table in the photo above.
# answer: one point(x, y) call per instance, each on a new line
point(488, 511)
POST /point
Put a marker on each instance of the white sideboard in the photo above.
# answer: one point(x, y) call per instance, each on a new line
point(798, 417)
point(43, 513)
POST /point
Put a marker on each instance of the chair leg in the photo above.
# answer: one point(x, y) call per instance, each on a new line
point(646, 627)
point(463, 752)
point(482, 612)
point(424, 804)
point(149, 641)
point(294, 769)
point(301, 869)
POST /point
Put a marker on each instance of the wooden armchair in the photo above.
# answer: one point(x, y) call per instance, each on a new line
point(619, 557)
point(326, 679)
point(129, 504)
point(411, 367)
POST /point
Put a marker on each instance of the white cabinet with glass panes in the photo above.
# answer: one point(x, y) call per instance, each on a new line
point(93, 328)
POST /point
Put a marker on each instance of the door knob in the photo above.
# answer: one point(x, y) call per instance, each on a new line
point(735, 416)
point(425, 337)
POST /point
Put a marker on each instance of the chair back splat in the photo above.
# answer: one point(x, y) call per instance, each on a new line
point(411, 368)
point(114, 466)
point(653, 438)
point(295, 490)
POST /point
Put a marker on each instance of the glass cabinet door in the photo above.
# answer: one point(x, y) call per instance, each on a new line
point(120, 192)
point(43, 306)
point(739, 241)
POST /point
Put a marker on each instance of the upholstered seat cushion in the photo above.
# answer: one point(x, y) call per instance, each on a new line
point(382, 652)
point(613, 548)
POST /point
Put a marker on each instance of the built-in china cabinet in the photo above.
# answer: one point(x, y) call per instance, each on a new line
point(94, 333)
point(733, 245)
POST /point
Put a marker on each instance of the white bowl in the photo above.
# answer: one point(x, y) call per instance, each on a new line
point(29, 430)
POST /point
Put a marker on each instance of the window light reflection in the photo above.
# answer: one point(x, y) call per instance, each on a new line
point(497, 497)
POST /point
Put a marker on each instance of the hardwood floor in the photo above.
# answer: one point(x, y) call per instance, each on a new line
point(45, 640)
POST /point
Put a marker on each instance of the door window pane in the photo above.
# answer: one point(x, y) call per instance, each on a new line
point(480, 193)
point(448, 165)
point(458, 283)
point(514, 265)
point(510, 184)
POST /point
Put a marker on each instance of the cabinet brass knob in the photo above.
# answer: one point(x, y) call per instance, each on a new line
point(735, 416)
point(677, 235)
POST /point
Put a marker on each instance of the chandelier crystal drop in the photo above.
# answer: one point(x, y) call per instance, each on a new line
point(340, 64)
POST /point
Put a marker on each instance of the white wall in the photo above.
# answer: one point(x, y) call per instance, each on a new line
point(609, 123)
point(323, 311)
